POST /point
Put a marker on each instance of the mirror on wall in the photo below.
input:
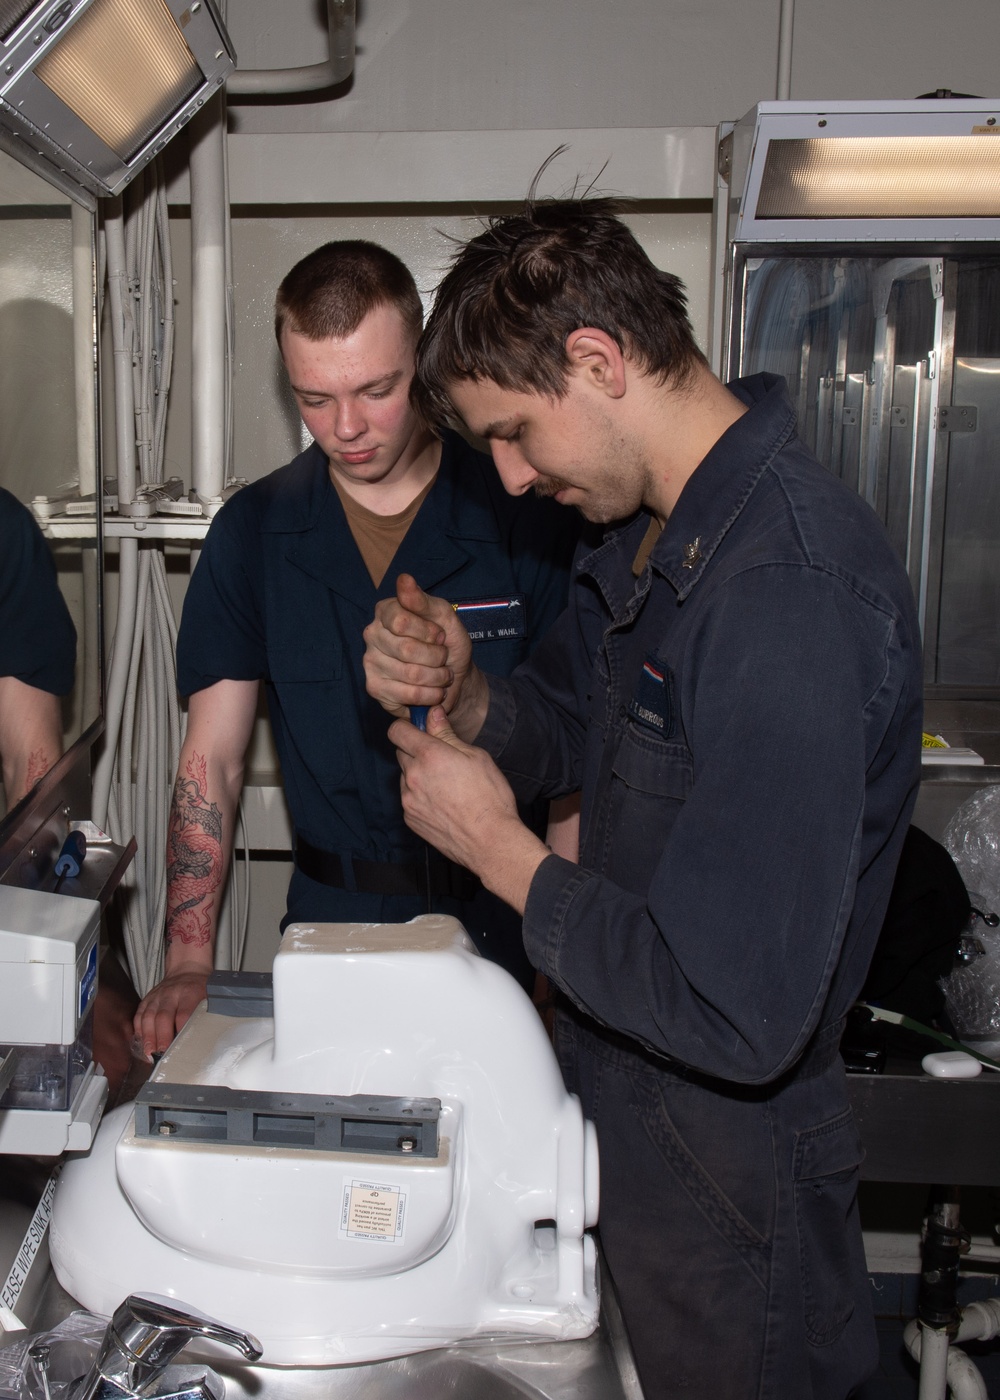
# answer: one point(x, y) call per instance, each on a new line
point(50, 566)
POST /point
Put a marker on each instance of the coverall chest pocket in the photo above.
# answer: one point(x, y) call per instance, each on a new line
point(650, 780)
point(827, 1159)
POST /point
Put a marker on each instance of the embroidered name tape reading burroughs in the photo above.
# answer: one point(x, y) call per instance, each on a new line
point(493, 619)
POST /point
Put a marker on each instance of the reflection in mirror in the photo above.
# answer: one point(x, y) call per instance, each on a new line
point(37, 652)
point(50, 635)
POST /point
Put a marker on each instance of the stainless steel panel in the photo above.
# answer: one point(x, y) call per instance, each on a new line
point(600, 1367)
point(894, 497)
point(852, 434)
point(968, 650)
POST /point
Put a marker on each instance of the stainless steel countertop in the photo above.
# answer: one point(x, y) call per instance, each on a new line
point(598, 1368)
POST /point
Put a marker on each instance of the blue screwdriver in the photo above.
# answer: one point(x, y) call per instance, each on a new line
point(70, 858)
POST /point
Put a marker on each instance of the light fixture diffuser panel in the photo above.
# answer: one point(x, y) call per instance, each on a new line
point(98, 87)
point(922, 171)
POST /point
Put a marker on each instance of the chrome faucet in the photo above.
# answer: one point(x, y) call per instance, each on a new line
point(142, 1339)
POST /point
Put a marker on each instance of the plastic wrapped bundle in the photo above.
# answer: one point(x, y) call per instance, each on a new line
point(972, 839)
point(47, 1365)
point(972, 991)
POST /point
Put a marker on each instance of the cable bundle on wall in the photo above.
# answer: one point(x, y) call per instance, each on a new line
point(134, 776)
point(212, 354)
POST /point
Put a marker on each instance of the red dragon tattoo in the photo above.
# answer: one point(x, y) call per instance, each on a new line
point(194, 863)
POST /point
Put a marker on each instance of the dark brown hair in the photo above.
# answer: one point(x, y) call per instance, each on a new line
point(331, 291)
point(521, 287)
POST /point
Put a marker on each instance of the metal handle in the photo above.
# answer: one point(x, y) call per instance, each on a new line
point(144, 1336)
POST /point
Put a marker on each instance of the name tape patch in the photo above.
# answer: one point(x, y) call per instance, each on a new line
point(651, 705)
point(493, 619)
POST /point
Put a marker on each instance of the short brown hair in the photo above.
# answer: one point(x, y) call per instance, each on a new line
point(517, 291)
point(331, 291)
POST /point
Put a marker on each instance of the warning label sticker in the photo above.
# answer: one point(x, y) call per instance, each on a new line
point(372, 1210)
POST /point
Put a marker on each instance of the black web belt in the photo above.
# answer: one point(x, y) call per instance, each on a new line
point(406, 877)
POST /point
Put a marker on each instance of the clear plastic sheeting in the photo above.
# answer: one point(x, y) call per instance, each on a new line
point(45, 1365)
point(972, 991)
point(972, 839)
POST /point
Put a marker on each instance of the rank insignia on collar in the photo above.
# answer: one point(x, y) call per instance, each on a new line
point(692, 553)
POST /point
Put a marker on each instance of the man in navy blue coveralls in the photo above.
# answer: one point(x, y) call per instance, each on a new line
point(282, 593)
point(37, 652)
point(736, 686)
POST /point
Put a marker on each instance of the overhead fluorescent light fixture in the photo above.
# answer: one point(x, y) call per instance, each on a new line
point(98, 87)
point(894, 171)
point(882, 177)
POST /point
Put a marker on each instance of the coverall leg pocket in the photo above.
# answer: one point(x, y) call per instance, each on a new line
point(826, 1173)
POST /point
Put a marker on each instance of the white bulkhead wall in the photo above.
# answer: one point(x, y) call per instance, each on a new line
point(468, 65)
point(461, 100)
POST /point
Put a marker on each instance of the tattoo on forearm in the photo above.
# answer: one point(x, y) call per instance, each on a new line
point(38, 765)
point(194, 857)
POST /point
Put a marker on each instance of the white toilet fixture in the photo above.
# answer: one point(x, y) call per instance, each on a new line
point(388, 1164)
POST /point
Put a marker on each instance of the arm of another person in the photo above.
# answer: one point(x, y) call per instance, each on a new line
point(30, 735)
point(199, 845)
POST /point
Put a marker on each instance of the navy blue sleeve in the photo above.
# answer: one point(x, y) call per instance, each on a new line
point(221, 634)
point(37, 636)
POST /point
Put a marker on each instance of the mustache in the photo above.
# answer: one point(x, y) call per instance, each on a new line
point(549, 485)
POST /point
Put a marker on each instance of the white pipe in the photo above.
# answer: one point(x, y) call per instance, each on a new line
point(122, 345)
point(128, 589)
point(980, 1321)
point(943, 1367)
point(785, 25)
point(84, 332)
point(128, 559)
point(167, 318)
point(208, 301)
point(930, 1346)
point(337, 69)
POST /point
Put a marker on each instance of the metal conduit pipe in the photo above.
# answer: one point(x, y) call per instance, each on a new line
point(258, 82)
point(83, 347)
point(121, 657)
point(122, 340)
point(208, 301)
point(783, 89)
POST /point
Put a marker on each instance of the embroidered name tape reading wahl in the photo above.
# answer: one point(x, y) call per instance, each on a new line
point(650, 704)
point(492, 619)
